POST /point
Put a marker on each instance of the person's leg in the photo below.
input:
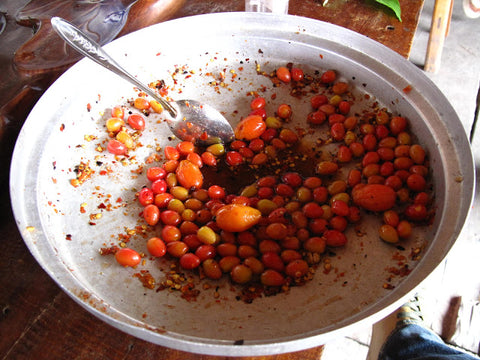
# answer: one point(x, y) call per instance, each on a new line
point(403, 336)
point(413, 341)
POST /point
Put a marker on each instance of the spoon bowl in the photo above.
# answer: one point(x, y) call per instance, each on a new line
point(188, 120)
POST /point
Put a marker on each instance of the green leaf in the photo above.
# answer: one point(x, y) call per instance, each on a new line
point(394, 5)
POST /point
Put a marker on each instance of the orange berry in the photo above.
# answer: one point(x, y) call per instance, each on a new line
point(250, 128)
point(189, 175)
point(237, 217)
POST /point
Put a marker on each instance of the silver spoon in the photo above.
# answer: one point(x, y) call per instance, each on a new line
point(189, 119)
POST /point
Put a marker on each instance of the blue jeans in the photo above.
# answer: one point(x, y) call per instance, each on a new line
point(414, 342)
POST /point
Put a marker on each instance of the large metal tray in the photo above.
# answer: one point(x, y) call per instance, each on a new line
point(66, 244)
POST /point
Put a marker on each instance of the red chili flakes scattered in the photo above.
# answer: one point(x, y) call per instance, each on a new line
point(301, 131)
point(109, 250)
point(407, 89)
point(89, 107)
point(189, 292)
point(126, 237)
point(68, 237)
point(327, 266)
point(415, 254)
point(146, 279)
point(394, 272)
point(399, 257)
point(62, 127)
point(84, 295)
point(359, 231)
point(176, 281)
point(84, 172)
point(138, 170)
point(152, 158)
point(251, 292)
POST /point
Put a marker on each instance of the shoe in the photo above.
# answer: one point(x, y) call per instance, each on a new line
point(410, 313)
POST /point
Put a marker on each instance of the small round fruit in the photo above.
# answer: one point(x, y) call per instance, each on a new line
point(237, 217)
point(250, 128)
point(127, 257)
point(156, 247)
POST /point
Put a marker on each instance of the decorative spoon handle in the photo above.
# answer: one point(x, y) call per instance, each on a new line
point(89, 48)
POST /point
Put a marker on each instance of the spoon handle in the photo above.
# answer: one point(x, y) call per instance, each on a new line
point(89, 48)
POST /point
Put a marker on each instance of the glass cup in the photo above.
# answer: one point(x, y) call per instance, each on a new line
point(273, 6)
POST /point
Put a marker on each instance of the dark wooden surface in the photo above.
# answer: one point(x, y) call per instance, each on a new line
point(38, 320)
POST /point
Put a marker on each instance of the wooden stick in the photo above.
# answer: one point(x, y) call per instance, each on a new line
point(438, 31)
point(449, 323)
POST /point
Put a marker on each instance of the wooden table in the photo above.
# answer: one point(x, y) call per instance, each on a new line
point(38, 320)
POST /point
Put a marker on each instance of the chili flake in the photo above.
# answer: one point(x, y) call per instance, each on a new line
point(84, 172)
point(146, 279)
